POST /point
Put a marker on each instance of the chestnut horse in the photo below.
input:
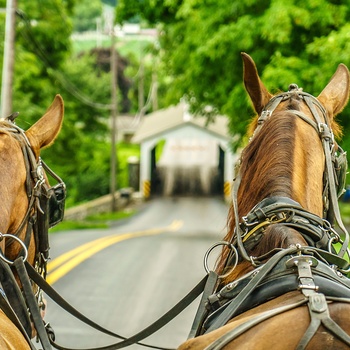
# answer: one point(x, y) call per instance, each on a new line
point(21, 185)
point(281, 281)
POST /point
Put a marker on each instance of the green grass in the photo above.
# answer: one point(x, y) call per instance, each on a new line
point(345, 212)
point(102, 221)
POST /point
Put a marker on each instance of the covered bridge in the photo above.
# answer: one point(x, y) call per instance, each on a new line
point(181, 155)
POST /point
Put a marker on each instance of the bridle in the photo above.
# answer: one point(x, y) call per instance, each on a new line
point(45, 209)
point(45, 204)
point(335, 157)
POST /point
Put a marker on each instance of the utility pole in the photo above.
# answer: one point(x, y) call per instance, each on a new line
point(155, 89)
point(141, 94)
point(9, 57)
point(114, 103)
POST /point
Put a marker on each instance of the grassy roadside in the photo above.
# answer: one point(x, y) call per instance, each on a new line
point(94, 221)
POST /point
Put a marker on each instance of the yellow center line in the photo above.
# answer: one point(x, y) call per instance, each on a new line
point(68, 261)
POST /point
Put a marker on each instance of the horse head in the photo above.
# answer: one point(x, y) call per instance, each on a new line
point(20, 155)
point(285, 160)
point(25, 200)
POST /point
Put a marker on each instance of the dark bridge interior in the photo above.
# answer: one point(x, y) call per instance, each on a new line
point(195, 173)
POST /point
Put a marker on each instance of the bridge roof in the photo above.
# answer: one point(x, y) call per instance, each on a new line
point(156, 123)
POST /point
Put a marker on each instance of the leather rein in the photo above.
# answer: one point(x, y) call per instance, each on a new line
point(19, 304)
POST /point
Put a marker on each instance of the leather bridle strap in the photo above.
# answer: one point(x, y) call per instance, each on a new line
point(327, 143)
point(135, 339)
point(322, 128)
point(333, 195)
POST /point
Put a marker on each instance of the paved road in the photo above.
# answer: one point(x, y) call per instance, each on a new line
point(138, 271)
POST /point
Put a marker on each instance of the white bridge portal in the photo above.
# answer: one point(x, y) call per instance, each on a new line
point(180, 154)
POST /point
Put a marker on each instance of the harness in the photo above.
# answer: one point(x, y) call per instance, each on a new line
point(317, 270)
point(334, 179)
point(45, 209)
point(46, 204)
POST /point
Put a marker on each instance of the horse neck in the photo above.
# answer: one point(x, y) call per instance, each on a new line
point(284, 158)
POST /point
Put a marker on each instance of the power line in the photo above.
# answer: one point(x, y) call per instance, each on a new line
point(64, 81)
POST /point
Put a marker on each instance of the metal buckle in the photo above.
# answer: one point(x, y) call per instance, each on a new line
point(306, 279)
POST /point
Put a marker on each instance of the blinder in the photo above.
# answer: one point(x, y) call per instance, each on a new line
point(340, 168)
point(57, 201)
point(52, 199)
point(51, 211)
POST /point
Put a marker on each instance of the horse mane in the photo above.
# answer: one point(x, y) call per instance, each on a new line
point(266, 165)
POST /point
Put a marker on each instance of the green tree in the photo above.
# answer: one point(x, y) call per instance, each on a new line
point(45, 66)
point(200, 43)
point(85, 14)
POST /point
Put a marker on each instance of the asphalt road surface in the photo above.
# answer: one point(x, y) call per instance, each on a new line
point(127, 276)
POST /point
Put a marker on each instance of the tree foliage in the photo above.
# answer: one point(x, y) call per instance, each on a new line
point(85, 14)
point(46, 65)
point(296, 41)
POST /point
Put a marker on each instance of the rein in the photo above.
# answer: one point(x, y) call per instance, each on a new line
point(135, 339)
point(45, 209)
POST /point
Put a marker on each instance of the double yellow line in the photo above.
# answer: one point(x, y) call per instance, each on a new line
point(66, 262)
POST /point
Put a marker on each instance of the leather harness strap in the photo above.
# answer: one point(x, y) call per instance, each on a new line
point(226, 315)
point(316, 302)
point(208, 290)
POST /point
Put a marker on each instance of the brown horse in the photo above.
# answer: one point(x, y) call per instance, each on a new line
point(19, 192)
point(270, 293)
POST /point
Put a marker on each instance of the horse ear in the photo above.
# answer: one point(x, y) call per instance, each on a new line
point(45, 130)
point(257, 91)
point(335, 95)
